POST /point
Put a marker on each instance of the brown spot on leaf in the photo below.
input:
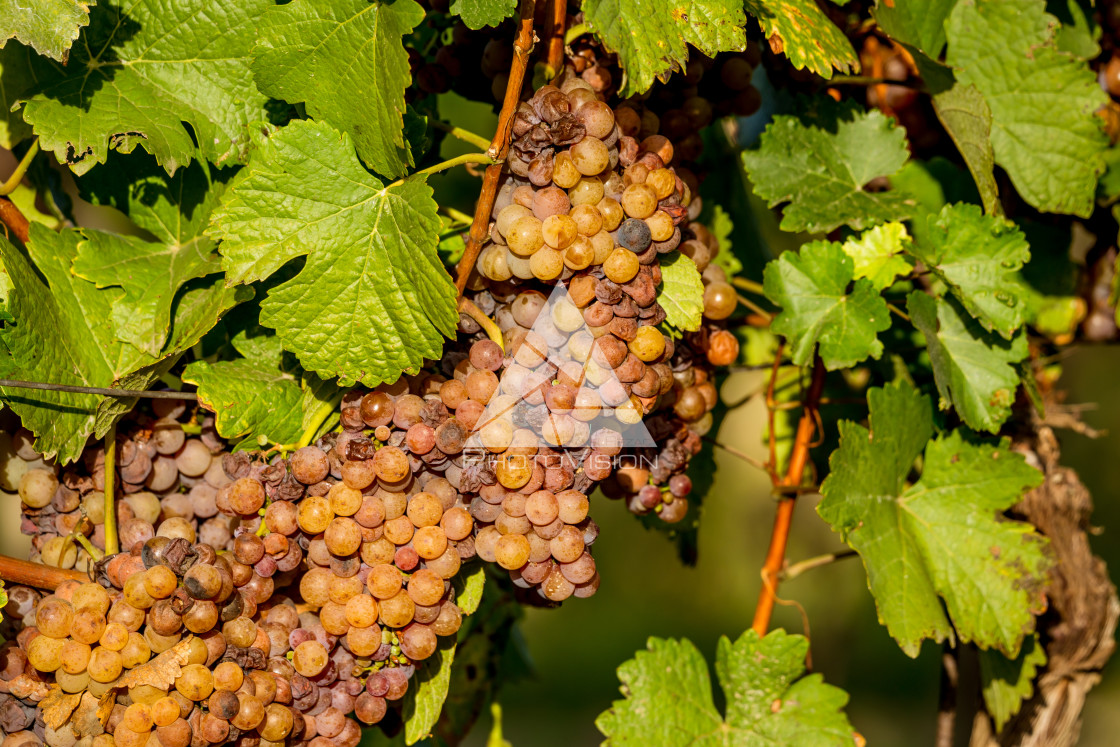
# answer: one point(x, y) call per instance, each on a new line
point(775, 705)
point(777, 46)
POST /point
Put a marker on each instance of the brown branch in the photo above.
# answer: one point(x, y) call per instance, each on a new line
point(555, 26)
point(40, 576)
point(14, 220)
point(499, 146)
point(947, 705)
point(775, 556)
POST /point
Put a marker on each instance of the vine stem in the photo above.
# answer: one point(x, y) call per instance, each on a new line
point(750, 286)
point(17, 384)
point(809, 564)
point(21, 168)
point(445, 165)
point(499, 146)
point(554, 31)
point(317, 419)
point(758, 310)
point(775, 556)
point(112, 544)
point(576, 32)
point(15, 221)
point(471, 309)
point(458, 132)
point(947, 697)
point(40, 576)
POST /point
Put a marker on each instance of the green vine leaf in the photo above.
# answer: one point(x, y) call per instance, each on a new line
point(805, 34)
point(944, 540)
point(421, 712)
point(811, 288)
point(877, 254)
point(1006, 683)
point(978, 257)
point(722, 227)
point(373, 300)
point(681, 292)
point(175, 209)
point(150, 273)
point(968, 120)
point(15, 81)
point(921, 26)
point(481, 13)
point(652, 39)
point(1044, 132)
point(264, 393)
point(770, 699)
point(821, 161)
point(197, 307)
point(60, 336)
point(144, 77)
point(468, 588)
point(974, 370)
point(344, 59)
point(47, 26)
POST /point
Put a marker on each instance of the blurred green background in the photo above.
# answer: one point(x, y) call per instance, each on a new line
point(646, 591)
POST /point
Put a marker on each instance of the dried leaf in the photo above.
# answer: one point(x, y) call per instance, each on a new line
point(58, 706)
point(162, 671)
point(24, 688)
point(87, 719)
point(105, 708)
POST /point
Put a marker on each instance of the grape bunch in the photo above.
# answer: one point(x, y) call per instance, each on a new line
point(164, 478)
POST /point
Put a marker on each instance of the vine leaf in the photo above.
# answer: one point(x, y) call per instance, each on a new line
point(811, 287)
point(806, 35)
point(175, 209)
point(373, 299)
point(652, 39)
point(1044, 132)
point(468, 588)
point(722, 228)
point(15, 81)
point(968, 120)
point(877, 254)
point(197, 307)
point(133, 82)
point(974, 370)
point(431, 682)
point(821, 161)
point(921, 26)
point(1006, 683)
point(47, 26)
point(944, 539)
point(263, 393)
point(479, 13)
point(771, 700)
point(978, 257)
point(61, 337)
point(150, 273)
point(344, 59)
point(681, 292)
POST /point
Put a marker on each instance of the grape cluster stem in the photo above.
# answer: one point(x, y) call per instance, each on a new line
point(499, 146)
point(112, 544)
point(21, 168)
point(775, 556)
